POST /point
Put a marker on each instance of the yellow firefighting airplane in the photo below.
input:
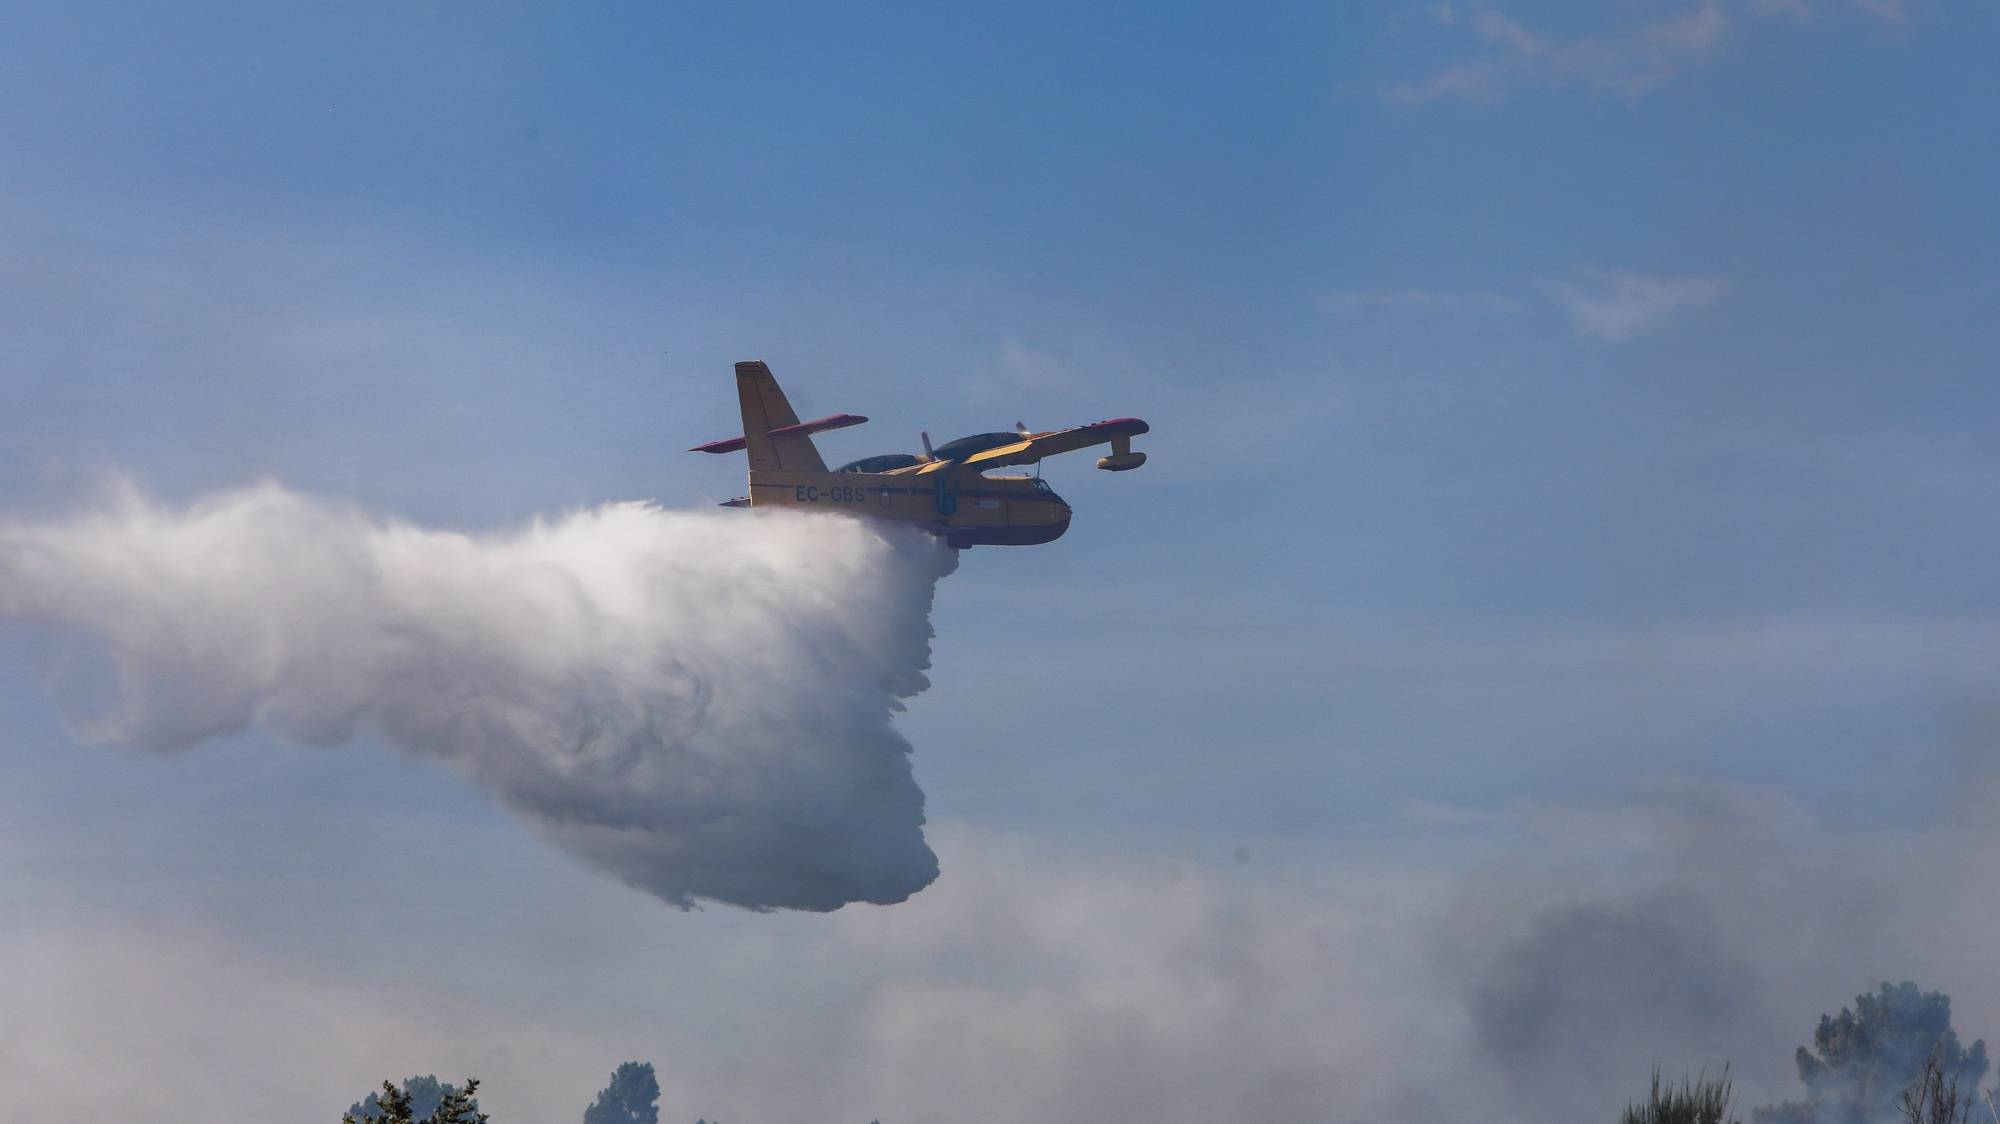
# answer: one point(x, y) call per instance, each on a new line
point(946, 490)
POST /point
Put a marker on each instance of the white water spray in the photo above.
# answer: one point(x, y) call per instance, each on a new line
point(697, 703)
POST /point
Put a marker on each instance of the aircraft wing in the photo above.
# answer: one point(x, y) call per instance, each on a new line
point(1035, 446)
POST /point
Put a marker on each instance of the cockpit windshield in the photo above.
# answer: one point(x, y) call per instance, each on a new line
point(883, 463)
point(1042, 486)
point(977, 443)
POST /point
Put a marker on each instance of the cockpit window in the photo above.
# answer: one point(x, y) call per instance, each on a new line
point(1043, 486)
point(883, 463)
point(977, 443)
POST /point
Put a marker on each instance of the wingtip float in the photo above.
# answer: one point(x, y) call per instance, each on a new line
point(946, 490)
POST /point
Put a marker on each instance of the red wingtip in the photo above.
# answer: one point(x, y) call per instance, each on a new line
point(1133, 426)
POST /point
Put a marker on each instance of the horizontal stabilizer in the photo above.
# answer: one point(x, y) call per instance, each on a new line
point(797, 429)
point(817, 425)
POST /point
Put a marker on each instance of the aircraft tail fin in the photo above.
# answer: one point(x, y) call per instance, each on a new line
point(765, 409)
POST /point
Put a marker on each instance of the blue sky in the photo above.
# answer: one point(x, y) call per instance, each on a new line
point(1558, 409)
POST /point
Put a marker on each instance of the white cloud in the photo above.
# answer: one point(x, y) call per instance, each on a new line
point(1630, 59)
point(1614, 304)
point(1031, 369)
point(1022, 376)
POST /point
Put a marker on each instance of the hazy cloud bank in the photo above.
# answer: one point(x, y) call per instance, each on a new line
point(1535, 971)
point(1608, 304)
point(697, 703)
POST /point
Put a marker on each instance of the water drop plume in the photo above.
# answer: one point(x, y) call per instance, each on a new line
point(697, 703)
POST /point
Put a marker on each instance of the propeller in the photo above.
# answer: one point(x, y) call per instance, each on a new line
point(1022, 429)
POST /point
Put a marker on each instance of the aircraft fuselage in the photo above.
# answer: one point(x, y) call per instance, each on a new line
point(965, 507)
point(946, 491)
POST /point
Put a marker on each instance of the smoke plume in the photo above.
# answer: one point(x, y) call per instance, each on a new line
point(698, 704)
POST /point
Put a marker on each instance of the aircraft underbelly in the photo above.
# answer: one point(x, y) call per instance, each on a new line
point(1006, 536)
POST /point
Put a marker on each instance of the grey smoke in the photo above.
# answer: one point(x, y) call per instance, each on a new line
point(1713, 927)
point(1608, 986)
point(697, 703)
